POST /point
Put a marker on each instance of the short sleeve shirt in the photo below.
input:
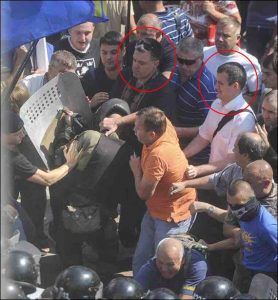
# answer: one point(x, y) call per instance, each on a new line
point(182, 283)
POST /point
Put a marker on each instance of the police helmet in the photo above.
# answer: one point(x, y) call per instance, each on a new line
point(161, 293)
point(123, 288)
point(78, 282)
point(11, 290)
point(21, 266)
point(215, 287)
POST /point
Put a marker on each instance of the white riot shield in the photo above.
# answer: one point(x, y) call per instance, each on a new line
point(40, 111)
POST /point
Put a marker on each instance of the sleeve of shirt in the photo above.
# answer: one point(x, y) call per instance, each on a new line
point(146, 275)
point(186, 27)
point(205, 129)
point(154, 168)
point(269, 233)
point(252, 77)
point(197, 273)
point(23, 167)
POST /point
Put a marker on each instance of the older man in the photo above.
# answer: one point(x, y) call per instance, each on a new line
point(191, 109)
point(173, 268)
point(162, 161)
point(82, 45)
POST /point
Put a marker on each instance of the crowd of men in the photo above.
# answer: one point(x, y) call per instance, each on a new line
point(182, 147)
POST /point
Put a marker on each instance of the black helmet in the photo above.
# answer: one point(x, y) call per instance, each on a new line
point(161, 293)
point(215, 287)
point(78, 282)
point(123, 288)
point(21, 266)
point(11, 290)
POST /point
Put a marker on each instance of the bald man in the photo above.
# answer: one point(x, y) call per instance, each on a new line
point(173, 267)
point(166, 64)
point(258, 231)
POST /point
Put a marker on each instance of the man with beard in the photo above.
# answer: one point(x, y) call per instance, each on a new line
point(98, 83)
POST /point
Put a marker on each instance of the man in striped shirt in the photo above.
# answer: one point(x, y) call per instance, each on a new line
point(191, 109)
point(174, 20)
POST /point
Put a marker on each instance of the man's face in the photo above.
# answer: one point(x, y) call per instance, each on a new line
point(15, 138)
point(169, 264)
point(108, 55)
point(269, 78)
point(225, 92)
point(226, 38)
point(269, 112)
point(189, 63)
point(81, 35)
point(143, 136)
point(143, 66)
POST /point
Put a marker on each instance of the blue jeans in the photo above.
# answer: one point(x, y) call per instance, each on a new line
point(152, 232)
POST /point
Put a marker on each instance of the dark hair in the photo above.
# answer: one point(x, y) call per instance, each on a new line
point(235, 72)
point(238, 185)
point(151, 45)
point(112, 38)
point(270, 60)
point(255, 149)
point(154, 119)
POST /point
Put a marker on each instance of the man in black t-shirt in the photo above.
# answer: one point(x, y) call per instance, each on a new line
point(82, 45)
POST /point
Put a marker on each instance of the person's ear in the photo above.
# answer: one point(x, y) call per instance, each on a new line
point(266, 183)
point(156, 63)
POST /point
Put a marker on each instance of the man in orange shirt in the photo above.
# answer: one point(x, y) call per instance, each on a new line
point(162, 163)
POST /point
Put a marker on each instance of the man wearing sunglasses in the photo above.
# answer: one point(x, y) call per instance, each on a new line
point(191, 109)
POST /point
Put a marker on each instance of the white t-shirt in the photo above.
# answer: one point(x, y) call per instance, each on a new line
point(219, 59)
point(33, 82)
point(223, 142)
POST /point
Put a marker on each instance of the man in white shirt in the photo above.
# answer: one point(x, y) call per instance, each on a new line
point(227, 38)
point(231, 78)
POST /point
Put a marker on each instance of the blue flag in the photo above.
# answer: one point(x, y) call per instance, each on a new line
point(26, 21)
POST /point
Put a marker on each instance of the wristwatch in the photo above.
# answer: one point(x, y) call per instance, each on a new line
point(210, 209)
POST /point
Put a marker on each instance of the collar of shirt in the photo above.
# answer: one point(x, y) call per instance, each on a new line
point(84, 51)
point(235, 104)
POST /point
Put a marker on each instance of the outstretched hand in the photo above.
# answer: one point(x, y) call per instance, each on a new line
point(72, 155)
point(108, 125)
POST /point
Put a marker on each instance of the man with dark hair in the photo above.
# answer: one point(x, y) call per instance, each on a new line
point(226, 50)
point(269, 70)
point(162, 161)
point(81, 44)
point(221, 131)
point(98, 83)
point(144, 76)
point(191, 109)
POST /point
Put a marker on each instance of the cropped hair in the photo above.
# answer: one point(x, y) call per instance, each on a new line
point(189, 44)
point(151, 45)
point(154, 119)
point(63, 58)
point(112, 38)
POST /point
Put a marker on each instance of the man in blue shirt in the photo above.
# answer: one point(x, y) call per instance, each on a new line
point(191, 109)
point(174, 268)
point(258, 230)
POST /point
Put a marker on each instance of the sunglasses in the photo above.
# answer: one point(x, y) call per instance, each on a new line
point(142, 45)
point(187, 62)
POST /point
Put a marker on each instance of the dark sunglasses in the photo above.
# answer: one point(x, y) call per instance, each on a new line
point(143, 45)
point(187, 62)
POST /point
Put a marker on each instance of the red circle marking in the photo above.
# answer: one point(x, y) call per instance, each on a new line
point(199, 83)
point(119, 68)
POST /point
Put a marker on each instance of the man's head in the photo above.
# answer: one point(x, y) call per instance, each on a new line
point(249, 146)
point(146, 59)
point(18, 97)
point(61, 61)
point(227, 35)
point(269, 70)
point(149, 20)
point(269, 109)
point(12, 131)
point(189, 56)
point(150, 124)
point(108, 50)
point(169, 257)
point(259, 174)
point(239, 193)
point(81, 36)
point(231, 79)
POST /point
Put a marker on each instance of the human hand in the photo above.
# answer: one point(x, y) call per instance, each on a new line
point(135, 163)
point(98, 98)
point(72, 155)
point(208, 6)
point(198, 206)
point(191, 172)
point(109, 124)
point(261, 130)
point(177, 187)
